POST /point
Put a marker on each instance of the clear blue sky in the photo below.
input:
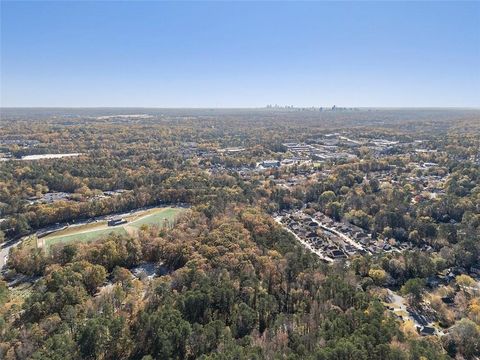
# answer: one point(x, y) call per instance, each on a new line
point(219, 54)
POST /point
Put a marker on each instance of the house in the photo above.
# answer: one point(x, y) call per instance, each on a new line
point(116, 221)
point(475, 270)
point(337, 254)
point(364, 241)
point(361, 235)
point(447, 278)
point(270, 163)
point(426, 330)
point(448, 300)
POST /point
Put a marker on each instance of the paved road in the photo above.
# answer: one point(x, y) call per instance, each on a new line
point(399, 302)
point(339, 234)
point(305, 244)
point(4, 251)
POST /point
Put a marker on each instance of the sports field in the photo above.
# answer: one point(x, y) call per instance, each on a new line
point(161, 218)
point(82, 236)
point(164, 216)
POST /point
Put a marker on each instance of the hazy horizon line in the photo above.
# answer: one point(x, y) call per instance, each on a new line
point(280, 107)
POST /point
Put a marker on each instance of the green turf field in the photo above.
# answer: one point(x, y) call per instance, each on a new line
point(157, 217)
point(83, 236)
point(95, 231)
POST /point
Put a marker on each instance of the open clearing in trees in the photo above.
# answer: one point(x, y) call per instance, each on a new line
point(94, 231)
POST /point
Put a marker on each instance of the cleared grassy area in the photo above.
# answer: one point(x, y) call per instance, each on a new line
point(94, 226)
point(166, 215)
point(83, 236)
point(97, 230)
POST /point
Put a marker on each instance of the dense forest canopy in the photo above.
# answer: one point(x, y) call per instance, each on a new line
point(234, 276)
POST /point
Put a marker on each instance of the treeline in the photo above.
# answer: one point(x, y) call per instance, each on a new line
point(144, 188)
